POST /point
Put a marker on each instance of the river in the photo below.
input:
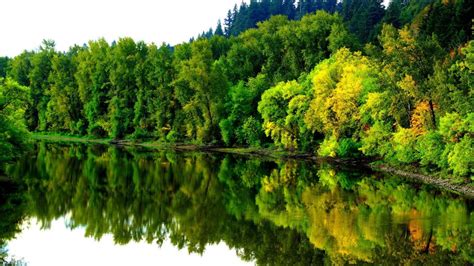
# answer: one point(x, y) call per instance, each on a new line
point(83, 204)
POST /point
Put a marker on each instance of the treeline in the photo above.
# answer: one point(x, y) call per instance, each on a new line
point(296, 84)
point(364, 18)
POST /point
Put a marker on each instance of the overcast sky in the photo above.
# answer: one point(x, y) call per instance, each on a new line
point(25, 23)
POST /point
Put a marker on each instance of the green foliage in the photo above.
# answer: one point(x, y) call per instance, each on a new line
point(404, 145)
point(431, 149)
point(14, 100)
point(93, 82)
point(241, 103)
point(202, 86)
point(328, 147)
point(252, 131)
point(450, 21)
point(277, 121)
point(457, 133)
point(4, 61)
point(375, 141)
point(362, 17)
point(460, 158)
point(61, 114)
point(347, 148)
point(263, 79)
point(340, 38)
point(41, 66)
point(172, 136)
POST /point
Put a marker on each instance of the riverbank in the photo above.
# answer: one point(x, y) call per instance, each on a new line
point(457, 186)
point(266, 152)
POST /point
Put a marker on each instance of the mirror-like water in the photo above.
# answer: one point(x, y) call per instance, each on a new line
point(251, 209)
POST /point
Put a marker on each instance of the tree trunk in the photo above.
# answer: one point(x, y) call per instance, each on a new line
point(433, 117)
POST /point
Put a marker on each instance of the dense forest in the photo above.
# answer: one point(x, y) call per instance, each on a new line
point(343, 79)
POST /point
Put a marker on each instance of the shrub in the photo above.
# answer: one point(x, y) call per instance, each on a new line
point(376, 140)
point(404, 145)
point(172, 136)
point(431, 150)
point(328, 147)
point(460, 159)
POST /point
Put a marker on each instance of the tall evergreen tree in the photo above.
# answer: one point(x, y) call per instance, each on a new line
point(219, 31)
point(3, 66)
point(228, 23)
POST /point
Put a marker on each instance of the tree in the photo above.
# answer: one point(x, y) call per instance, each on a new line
point(202, 86)
point(92, 77)
point(228, 23)
point(14, 100)
point(39, 85)
point(362, 16)
point(155, 105)
point(4, 61)
point(64, 109)
point(123, 59)
point(241, 102)
point(413, 58)
point(450, 21)
point(340, 87)
point(274, 108)
point(219, 31)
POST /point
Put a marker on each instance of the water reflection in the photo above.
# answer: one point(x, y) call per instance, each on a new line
point(71, 248)
point(273, 212)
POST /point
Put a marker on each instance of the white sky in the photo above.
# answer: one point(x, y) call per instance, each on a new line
point(60, 246)
point(25, 23)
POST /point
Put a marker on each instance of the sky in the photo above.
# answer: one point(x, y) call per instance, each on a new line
point(25, 23)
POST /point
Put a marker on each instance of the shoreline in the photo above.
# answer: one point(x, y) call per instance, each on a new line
point(463, 189)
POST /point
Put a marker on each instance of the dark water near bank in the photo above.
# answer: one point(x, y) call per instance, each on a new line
point(230, 207)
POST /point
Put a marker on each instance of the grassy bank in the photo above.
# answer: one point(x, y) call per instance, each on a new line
point(67, 138)
point(260, 151)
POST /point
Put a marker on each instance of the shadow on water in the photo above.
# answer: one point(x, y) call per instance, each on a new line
point(273, 212)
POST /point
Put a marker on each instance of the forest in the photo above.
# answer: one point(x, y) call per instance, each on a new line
point(345, 79)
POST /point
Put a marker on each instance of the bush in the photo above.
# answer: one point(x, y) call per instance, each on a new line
point(226, 131)
point(172, 136)
point(347, 147)
point(376, 141)
point(328, 147)
point(404, 145)
point(252, 131)
point(431, 150)
point(460, 159)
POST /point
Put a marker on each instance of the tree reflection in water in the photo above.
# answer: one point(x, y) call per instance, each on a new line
point(273, 212)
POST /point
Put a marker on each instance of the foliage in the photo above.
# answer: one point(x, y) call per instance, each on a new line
point(273, 108)
point(273, 74)
point(14, 101)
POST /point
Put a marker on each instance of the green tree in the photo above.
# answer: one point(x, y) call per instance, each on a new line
point(242, 101)
point(14, 101)
point(39, 84)
point(4, 61)
point(64, 109)
point(275, 107)
point(202, 86)
point(92, 77)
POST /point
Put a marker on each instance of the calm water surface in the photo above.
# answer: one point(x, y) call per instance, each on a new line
point(101, 205)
